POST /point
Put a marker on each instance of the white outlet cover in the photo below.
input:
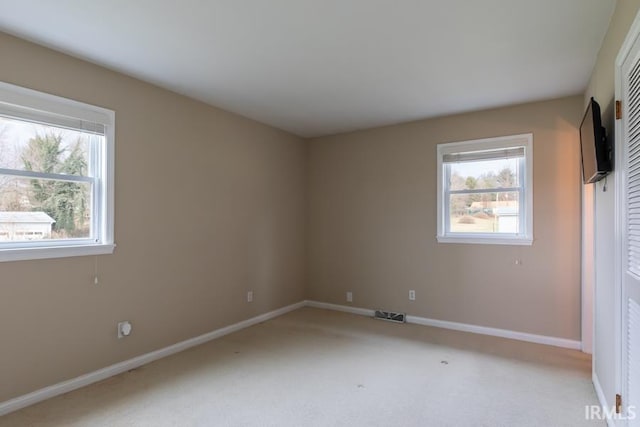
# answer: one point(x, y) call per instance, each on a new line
point(124, 329)
point(349, 296)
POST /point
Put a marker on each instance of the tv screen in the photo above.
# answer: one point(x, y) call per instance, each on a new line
point(596, 153)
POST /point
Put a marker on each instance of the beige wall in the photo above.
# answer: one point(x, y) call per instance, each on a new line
point(372, 224)
point(601, 87)
point(208, 205)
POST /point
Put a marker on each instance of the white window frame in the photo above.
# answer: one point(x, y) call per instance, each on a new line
point(19, 102)
point(525, 235)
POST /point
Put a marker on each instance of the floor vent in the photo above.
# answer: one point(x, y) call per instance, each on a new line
point(390, 316)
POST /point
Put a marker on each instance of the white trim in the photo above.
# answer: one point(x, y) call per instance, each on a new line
point(57, 105)
point(621, 365)
point(492, 143)
point(23, 254)
point(601, 398)
point(101, 374)
point(526, 213)
point(464, 327)
point(503, 333)
point(587, 268)
point(472, 239)
point(618, 218)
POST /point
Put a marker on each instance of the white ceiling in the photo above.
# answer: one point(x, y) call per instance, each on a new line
point(318, 67)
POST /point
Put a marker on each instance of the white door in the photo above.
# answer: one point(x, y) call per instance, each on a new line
point(628, 163)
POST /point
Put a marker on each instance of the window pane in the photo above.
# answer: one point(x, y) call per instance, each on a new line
point(43, 148)
point(38, 209)
point(486, 174)
point(485, 213)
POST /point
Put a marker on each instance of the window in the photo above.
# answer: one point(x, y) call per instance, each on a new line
point(56, 176)
point(485, 191)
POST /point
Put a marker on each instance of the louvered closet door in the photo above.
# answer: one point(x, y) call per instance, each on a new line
point(631, 235)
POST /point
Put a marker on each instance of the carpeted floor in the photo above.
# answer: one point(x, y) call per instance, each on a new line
point(320, 368)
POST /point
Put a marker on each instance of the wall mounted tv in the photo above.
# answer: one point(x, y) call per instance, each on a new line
point(596, 150)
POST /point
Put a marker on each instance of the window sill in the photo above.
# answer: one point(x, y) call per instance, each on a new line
point(25, 254)
point(486, 240)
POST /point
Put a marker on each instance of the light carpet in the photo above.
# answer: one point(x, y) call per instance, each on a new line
point(315, 367)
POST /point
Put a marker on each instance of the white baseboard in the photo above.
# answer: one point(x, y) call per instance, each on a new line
point(101, 374)
point(464, 327)
point(602, 399)
point(503, 333)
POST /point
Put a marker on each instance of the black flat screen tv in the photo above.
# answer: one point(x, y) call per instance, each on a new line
point(596, 151)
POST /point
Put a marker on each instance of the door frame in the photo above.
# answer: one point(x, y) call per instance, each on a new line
point(588, 271)
point(620, 173)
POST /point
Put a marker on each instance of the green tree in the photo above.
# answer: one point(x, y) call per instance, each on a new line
point(471, 183)
point(65, 202)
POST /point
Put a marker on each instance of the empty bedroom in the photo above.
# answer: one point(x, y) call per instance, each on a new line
point(319, 213)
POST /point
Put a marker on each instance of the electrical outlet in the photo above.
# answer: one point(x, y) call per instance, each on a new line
point(349, 296)
point(412, 295)
point(124, 329)
point(250, 296)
